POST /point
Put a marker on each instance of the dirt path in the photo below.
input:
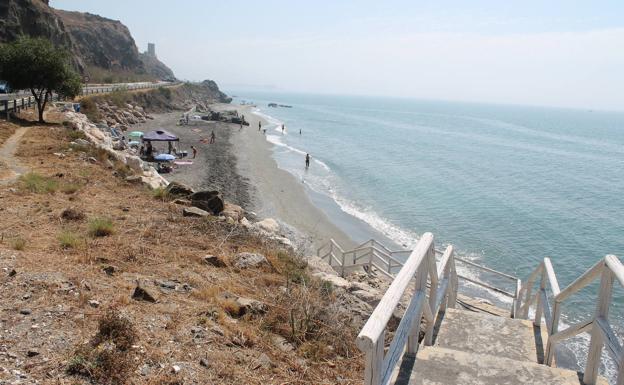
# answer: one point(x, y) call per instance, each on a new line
point(10, 167)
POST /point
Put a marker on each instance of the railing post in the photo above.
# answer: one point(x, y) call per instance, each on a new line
point(454, 283)
point(596, 342)
point(538, 304)
point(6, 109)
point(342, 265)
point(420, 285)
point(374, 362)
point(432, 272)
point(527, 299)
point(549, 355)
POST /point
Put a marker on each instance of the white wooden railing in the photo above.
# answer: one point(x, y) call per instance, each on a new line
point(425, 302)
point(599, 328)
point(388, 262)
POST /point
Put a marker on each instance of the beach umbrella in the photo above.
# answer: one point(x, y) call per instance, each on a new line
point(133, 143)
point(164, 157)
point(136, 134)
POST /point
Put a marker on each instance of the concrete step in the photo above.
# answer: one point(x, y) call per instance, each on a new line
point(440, 366)
point(482, 333)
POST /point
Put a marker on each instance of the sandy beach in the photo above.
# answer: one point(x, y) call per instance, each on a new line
point(241, 166)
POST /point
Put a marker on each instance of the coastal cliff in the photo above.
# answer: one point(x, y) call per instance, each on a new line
point(102, 48)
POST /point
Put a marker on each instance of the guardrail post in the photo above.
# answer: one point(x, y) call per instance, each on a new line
point(596, 342)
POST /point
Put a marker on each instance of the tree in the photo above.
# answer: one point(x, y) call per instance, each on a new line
point(35, 64)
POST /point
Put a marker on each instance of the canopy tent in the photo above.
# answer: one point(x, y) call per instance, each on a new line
point(136, 134)
point(160, 136)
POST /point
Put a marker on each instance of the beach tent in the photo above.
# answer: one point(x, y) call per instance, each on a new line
point(164, 157)
point(136, 134)
point(160, 136)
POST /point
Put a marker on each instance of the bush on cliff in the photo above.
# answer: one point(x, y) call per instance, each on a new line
point(37, 65)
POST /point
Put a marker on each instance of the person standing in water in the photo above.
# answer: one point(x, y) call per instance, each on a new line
point(307, 160)
point(282, 129)
point(259, 125)
point(300, 131)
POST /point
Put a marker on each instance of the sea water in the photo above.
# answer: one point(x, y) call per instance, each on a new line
point(506, 185)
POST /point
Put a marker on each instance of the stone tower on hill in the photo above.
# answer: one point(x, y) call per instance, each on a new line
point(151, 49)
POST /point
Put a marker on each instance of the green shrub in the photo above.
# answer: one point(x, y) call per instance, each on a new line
point(119, 97)
point(89, 108)
point(166, 92)
point(68, 240)
point(76, 134)
point(101, 227)
point(39, 184)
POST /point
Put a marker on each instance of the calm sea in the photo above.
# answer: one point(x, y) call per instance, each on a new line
point(506, 185)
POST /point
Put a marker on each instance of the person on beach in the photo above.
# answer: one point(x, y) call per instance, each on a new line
point(212, 137)
point(194, 151)
point(142, 151)
point(300, 131)
point(260, 126)
point(149, 150)
point(307, 160)
point(282, 129)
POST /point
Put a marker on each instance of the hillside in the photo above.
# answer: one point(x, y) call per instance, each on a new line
point(102, 48)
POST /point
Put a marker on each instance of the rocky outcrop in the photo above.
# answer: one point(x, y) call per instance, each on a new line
point(101, 42)
point(34, 18)
point(156, 68)
point(96, 43)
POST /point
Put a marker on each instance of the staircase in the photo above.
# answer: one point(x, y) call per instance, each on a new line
point(477, 348)
point(437, 343)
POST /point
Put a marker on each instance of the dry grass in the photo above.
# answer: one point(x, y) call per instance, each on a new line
point(106, 358)
point(68, 240)
point(153, 242)
point(101, 227)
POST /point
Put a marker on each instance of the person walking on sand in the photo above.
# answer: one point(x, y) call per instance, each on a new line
point(212, 137)
point(259, 125)
point(307, 160)
point(194, 151)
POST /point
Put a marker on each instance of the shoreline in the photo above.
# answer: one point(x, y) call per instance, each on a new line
point(241, 166)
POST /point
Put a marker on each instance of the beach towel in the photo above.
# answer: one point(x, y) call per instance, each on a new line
point(183, 162)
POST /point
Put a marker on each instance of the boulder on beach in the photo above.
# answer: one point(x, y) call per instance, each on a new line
point(177, 189)
point(233, 211)
point(210, 201)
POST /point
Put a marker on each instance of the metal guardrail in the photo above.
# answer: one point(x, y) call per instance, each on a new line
point(17, 104)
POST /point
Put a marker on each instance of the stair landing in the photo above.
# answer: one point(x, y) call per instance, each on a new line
point(487, 334)
point(440, 366)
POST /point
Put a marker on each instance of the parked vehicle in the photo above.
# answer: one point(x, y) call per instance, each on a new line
point(5, 88)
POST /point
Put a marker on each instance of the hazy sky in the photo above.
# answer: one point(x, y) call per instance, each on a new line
point(556, 52)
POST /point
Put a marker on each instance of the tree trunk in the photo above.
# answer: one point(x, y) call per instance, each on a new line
point(42, 107)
